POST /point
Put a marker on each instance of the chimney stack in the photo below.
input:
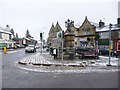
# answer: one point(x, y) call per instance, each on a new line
point(101, 24)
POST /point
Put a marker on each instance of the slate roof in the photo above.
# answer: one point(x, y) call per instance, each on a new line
point(106, 28)
point(52, 28)
point(3, 30)
point(57, 27)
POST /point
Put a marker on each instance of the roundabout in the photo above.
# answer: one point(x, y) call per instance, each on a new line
point(45, 63)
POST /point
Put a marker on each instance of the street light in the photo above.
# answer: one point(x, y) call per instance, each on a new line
point(41, 38)
point(110, 43)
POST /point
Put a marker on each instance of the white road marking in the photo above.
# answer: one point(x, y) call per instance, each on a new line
point(56, 70)
point(13, 51)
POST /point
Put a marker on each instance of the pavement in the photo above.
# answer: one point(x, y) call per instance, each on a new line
point(44, 62)
point(40, 59)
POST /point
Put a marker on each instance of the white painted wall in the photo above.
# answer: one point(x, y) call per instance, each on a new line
point(5, 36)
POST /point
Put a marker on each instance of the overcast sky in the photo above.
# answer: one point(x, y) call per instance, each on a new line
point(38, 15)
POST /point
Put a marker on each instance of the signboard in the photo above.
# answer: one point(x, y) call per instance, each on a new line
point(56, 42)
point(60, 34)
point(83, 39)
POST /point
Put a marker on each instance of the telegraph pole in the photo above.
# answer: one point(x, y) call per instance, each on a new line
point(110, 44)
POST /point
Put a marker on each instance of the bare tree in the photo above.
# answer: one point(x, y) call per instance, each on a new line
point(12, 31)
point(27, 34)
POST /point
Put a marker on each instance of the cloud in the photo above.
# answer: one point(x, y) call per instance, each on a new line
point(36, 14)
point(58, 1)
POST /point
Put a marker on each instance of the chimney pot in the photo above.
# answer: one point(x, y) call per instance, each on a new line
point(101, 24)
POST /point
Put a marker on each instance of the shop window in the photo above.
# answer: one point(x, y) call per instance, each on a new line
point(10, 36)
point(119, 46)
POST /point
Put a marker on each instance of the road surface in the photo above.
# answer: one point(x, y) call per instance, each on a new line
point(14, 77)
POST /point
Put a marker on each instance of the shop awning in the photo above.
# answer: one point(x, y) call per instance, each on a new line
point(3, 44)
point(16, 39)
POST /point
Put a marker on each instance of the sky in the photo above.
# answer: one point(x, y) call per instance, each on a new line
point(38, 15)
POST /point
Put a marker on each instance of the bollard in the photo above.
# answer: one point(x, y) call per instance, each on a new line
point(4, 50)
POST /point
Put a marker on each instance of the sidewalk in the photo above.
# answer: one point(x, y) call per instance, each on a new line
point(39, 59)
point(45, 59)
point(45, 63)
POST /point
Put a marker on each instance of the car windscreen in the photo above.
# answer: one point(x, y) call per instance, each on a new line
point(30, 46)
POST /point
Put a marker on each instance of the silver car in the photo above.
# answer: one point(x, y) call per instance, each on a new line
point(30, 48)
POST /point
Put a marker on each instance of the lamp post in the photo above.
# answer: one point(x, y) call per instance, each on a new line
point(110, 43)
point(41, 36)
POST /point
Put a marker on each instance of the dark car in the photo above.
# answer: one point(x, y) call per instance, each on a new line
point(30, 48)
point(86, 52)
point(106, 52)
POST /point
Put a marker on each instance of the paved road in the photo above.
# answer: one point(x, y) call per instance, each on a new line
point(13, 77)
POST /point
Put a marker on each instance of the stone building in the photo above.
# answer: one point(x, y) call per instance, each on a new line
point(52, 37)
point(85, 35)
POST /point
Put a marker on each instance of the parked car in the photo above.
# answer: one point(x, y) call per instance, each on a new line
point(106, 52)
point(86, 52)
point(30, 48)
point(37, 47)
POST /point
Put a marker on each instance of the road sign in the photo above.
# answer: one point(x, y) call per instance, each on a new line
point(60, 34)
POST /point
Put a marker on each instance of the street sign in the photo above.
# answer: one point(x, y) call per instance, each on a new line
point(60, 34)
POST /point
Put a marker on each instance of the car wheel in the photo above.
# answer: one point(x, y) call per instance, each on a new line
point(96, 57)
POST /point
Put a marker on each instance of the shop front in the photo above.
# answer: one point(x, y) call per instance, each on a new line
point(118, 47)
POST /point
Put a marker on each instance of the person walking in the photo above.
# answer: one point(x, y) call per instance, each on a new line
point(54, 53)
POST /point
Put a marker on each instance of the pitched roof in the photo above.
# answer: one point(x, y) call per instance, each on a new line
point(52, 28)
point(3, 30)
point(57, 27)
point(106, 28)
point(86, 20)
